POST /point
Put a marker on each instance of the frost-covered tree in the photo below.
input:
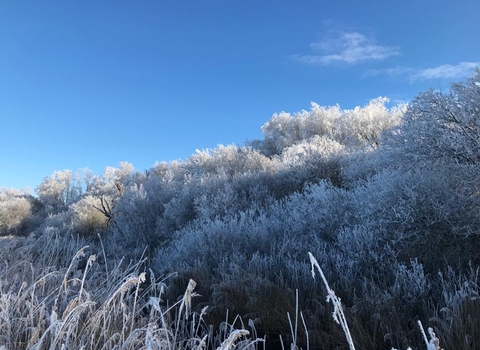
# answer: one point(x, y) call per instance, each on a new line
point(113, 181)
point(63, 188)
point(284, 129)
point(229, 159)
point(55, 189)
point(86, 218)
point(312, 160)
point(15, 208)
point(360, 127)
point(441, 127)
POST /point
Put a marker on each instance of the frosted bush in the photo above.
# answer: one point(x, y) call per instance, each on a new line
point(229, 159)
point(315, 147)
point(361, 250)
point(61, 221)
point(15, 209)
point(362, 127)
point(320, 210)
point(312, 160)
point(113, 181)
point(284, 129)
point(359, 128)
point(87, 219)
point(458, 288)
point(411, 283)
point(57, 190)
point(440, 127)
point(418, 200)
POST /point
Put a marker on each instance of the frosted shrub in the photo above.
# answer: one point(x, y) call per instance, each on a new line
point(441, 127)
point(223, 195)
point(318, 211)
point(362, 250)
point(180, 209)
point(149, 199)
point(58, 190)
point(174, 171)
point(213, 195)
point(8, 193)
point(15, 209)
point(411, 283)
point(211, 240)
point(87, 219)
point(61, 221)
point(136, 214)
point(312, 160)
point(122, 174)
point(363, 127)
point(315, 147)
point(420, 208)
point(284, 130)
point(113, 181)
point(358, 128)
point(229, 159)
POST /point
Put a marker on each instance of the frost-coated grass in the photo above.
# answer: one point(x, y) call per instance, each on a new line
point(75, 308)
point(339, 316)
point(71, 308)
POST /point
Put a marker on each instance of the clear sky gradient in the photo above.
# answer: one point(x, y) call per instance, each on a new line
point(92, 83)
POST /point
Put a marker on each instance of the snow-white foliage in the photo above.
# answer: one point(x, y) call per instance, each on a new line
point(86, 218)
point(229, 159)
point(112, 181)
point(15, 208)
point(420, 200)
point(315, 147)
point(360, 128)
point(411, 283)
point(58, 189)
point(363, 127)
point(60, 222)
point(362, 249)
point(441, 127)
point(457, 288)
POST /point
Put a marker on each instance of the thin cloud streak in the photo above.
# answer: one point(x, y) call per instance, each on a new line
point(461, 70)
point(346, 48)
point(444, 71)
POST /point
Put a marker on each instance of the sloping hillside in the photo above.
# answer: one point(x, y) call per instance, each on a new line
point(385, 198)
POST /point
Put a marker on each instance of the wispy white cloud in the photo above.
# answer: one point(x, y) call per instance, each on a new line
point(346, 48)
point(444, 71)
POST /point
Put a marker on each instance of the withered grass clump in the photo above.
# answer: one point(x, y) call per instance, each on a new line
point(88, 306)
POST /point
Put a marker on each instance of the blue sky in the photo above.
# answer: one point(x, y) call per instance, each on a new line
point(92, 83)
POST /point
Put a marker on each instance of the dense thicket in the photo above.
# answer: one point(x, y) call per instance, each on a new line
point(386, 198)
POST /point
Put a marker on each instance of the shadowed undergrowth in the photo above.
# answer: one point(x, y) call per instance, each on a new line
point(86, 305)
point(90, 304)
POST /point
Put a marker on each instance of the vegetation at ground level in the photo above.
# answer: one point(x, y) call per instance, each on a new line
point(387, 199)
